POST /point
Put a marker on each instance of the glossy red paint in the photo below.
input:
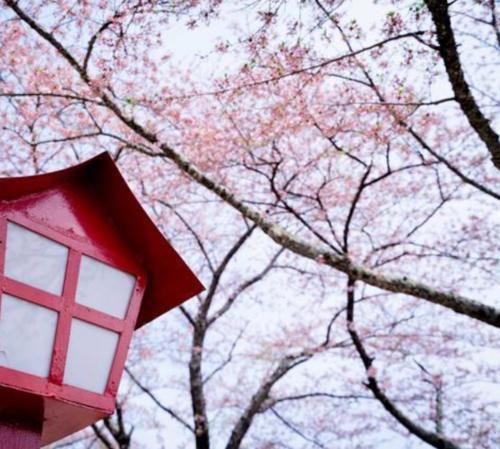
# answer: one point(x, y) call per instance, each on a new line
point(18, 435)
point(89, 209)
point(23, 428)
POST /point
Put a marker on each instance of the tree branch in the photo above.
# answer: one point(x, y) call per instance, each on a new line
point(449, 54)
point(258, 399)
point(295, 430)
point(166, 409)
point(431, 438)
point(244, 286)
point(458, 303)
point(102, 437)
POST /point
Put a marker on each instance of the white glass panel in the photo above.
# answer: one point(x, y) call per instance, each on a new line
point(35, 260)
point(27, 335)
point(104, 288)
point(90, 356)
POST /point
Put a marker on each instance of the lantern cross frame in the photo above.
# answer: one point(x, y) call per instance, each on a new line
point(67, 308)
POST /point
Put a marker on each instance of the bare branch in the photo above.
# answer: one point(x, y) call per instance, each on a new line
point(300, 397)
point(187, 315)
point(102, 437)
point(227, 361)
point(258, 399)
point(149, 393)
point(50, 95)
point(244, 286)
point(435, 440)
point(295, 430)
point(192, 231)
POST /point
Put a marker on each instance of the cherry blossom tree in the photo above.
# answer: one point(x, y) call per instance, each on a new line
point(334, 180)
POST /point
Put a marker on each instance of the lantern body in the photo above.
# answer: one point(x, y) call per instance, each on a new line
point(77, 256)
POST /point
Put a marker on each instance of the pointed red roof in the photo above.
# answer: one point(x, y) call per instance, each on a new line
point(170, 281)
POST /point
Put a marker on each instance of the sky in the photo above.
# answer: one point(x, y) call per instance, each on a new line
point(188, 45)
point(196, 45)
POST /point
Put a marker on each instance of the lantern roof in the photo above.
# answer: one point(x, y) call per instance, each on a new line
point(169, 279)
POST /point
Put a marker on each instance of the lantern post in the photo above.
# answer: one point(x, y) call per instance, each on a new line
point(81, 267)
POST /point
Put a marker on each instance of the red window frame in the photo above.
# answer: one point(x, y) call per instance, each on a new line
point(67, 309)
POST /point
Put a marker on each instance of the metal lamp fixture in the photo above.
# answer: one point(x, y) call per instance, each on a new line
point(81, 267)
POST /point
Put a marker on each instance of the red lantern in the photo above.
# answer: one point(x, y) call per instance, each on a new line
point(81, 267)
